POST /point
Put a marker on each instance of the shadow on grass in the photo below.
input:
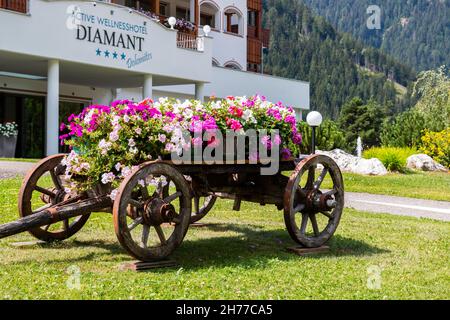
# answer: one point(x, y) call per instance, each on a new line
point(251, 247)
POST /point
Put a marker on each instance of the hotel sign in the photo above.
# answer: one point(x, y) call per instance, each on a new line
point(119, 41)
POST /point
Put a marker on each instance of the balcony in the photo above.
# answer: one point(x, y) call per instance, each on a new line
point(15, 5)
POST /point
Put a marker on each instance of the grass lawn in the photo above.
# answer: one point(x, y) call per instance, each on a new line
point(239, 255)
point(423, 185)
point(19, 159)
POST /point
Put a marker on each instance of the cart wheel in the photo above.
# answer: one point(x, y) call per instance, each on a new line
point(42, 188)
point(149, 222)
point(200, 211)
point(305, 201)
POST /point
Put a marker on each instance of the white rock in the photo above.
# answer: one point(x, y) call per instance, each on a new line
point(424, 162)
point(350, 163)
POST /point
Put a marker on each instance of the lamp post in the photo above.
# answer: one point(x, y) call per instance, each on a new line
point(314, 119)
point(172, 22)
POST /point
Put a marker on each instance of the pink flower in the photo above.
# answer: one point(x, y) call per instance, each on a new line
point(277, 140)
point(266, 142)
point(286, 153)
point(234, 124)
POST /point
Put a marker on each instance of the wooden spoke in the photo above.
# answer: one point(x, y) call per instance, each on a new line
point(66, 225)
point(144, 192)
point(196, 204)
point(320, 179)
point(314, 224)
point(298, 208)
point(55, 180)
point(145, 234)
point(311, 177)
point(136, 203)
point(161, 235)
point(327, 214)
point(301, 191)
point(304, 223)
point(173, 197)
point(44, 191)
point(331, 192)
point(135, 223)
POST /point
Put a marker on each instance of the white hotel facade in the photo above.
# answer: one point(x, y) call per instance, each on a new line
point(58, 56)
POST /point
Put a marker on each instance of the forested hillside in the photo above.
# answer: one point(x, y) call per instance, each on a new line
point(306, 47)
point(416, 32)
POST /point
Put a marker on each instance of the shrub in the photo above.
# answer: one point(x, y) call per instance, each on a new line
point(437, 146)
point(405, 130)
point(328, 137)
point(394, 159)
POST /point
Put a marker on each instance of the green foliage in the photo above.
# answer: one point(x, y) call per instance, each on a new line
point(403, 130)
point(414, 32)
point(305, 47)
point(328, 136)
point(394, 159)
point(364, 120)
point(432, 89)
point(437, 146)
point(432, 112)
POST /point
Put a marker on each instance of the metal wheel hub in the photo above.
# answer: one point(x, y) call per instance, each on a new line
point(317, 201)
point(157, 212)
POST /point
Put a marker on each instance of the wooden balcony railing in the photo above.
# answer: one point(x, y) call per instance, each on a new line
point(15, 5)
point(254, 51)
point(187, 40)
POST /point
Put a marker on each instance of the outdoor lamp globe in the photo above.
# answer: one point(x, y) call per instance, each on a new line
point(206, 30)
point(172, 21)
point(314, 119)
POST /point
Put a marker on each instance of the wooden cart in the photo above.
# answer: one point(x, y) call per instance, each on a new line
point(155, 205)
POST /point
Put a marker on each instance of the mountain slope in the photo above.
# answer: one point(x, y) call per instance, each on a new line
point(416, 32)
point(306, 47)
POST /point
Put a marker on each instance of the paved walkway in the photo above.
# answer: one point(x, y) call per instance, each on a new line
point(10, 169)
point(439, 210)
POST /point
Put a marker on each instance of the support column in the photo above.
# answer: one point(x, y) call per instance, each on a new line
point(52, 108)
point(194, 12)
point(200, 91)
point(147, 90)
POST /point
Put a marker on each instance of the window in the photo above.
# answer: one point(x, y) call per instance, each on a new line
point(183, 13)
point(164, 9)
point(206, 19)
point(233, 21)
point(252, 18)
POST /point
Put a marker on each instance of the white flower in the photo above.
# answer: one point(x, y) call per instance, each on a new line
point(108, 177)
point(162, 137)
point(114, 136)
point(248, 116)
point(141, 182)
point(126, 171)
point(138, 131)
point(134, 150)
point(118, 166)
point(126, 118)
point(113, 194)
point(104, 146)
point(131, 142)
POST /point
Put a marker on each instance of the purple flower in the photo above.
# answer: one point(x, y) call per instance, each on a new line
point(286, 153)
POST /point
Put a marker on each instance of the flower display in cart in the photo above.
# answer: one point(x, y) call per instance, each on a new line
point(108, 142)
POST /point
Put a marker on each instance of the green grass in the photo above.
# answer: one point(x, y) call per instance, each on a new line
point(19, 159)
point(239, 255)
point(423, 185)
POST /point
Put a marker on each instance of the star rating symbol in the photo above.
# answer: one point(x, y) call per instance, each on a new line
point(123, 56)
point(99, 52)
point(115, 55)
point(106, 54)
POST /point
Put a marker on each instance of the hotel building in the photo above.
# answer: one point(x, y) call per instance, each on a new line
point(58, 56)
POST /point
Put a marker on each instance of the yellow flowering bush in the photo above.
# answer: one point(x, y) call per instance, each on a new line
point(437, 146)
